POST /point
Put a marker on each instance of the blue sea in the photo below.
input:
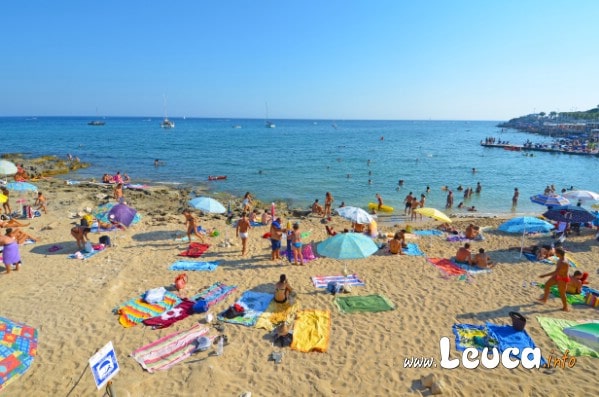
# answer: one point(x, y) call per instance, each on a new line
point(300, 160)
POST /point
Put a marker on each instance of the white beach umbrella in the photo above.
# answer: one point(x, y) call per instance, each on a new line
point(582, 195)
point(7, 168)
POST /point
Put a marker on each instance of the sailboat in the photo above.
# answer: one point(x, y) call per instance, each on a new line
point(268, 123)
point(166, 123)
point(96, 122)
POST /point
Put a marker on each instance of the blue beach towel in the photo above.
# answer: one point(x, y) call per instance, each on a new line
point(549, 261)
point(254, 304)
point(507, 337)
point(471, 335)
point(194, 266)
point(431, 232)
point(470, 269)
point(412, 250)
point(86, 255)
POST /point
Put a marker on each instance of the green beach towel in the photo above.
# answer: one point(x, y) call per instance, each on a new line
point(573, 299)
point(554, 328)
point(361, 304)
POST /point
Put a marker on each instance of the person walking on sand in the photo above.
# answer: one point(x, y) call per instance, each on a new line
point(6, 204)
point(242, 231)
point(10, 255)
point(515, 197)
point(328, 202)
point(40, 201)
point(192, 226)
point(296, 241)
point(560, 277)
point(80, 233)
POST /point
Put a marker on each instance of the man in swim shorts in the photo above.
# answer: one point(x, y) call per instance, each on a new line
point(464, 255)
point(408, 204)
point(242, 231)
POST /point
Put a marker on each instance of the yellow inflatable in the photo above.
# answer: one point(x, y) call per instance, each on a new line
point(384, 208)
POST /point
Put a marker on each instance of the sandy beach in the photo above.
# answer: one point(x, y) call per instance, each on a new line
point(70, 303)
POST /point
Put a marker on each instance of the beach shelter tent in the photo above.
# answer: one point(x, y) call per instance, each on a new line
point(122, 213)
point(586, 334)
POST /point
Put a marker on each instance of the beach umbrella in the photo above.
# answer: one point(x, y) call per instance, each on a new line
point(207, 204)
point(549, 200)
point(524, 224)
point(21, 187)
point(347, 246)
point(582, 195)
point(433, 213)
point(7, 168)
point(586, 334)
point(570, 214)
point(355, 214)
point(122, 213)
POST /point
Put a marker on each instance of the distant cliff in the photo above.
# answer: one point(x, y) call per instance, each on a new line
point(558, 124)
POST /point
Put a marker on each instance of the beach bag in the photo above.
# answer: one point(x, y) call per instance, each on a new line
point(27, 213)
point(181, 281)
point(201, 306)
point(233, 311)
point(334, 287)
point(105, 240)
point(518, 321)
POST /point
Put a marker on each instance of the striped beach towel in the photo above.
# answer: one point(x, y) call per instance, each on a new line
point(312, 331)
point(18, 346)
point(194, 266)
point(352, 280)
point(446, 266)
point(254, 303)
point(136, 310)
point(169, 350)
point(215, 293)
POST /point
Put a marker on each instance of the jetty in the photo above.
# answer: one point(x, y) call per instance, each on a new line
point(582, 150)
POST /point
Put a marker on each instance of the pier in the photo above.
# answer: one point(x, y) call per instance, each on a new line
point(542, 148)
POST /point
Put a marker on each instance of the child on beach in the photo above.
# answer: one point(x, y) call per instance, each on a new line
point(296, 240)
point(192, 226)
point(242, 231)
point(276, 234)
point(41, 202)
point(118, 193)
point(560, 277)
point(80, 233)
point(6, 204)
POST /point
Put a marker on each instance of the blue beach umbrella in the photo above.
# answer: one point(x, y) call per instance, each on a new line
point(549, 199)
point(570, 214)
point(207, 204)
point(347, 246)
point(21, 187)
point(525, 224)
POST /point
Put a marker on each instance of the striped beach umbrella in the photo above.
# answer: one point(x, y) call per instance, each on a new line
point(549, 200)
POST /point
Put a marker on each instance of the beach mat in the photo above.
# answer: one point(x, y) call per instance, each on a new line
point(508, 337)
point(363, 304)
point(471, 335)
point(169, 317)
point(351, 279)
point(554, 327)
point(194, 266)
point(429, 232)
point(312, 331)
point(214, 294)
point(135, 310)
point(446, 266)
point(254, 304)
point(412, 250)
point(169, 350)
point(277, 313)
point(195, 250)
point(18, 347)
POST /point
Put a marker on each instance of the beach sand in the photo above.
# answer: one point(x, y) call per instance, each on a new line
point(70, 302)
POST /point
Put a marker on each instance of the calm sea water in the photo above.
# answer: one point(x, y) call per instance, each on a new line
point(300, 160)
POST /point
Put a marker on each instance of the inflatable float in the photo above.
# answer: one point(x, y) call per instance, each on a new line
point(216, 177)
point(586, 334)
point(384, 208)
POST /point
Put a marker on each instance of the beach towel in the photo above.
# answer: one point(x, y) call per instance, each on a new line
point(18, 347)
point(412, 250)
point(363, 304)
point(554, 327)
point(169, 317)
point(312, 331)
point(214, 294)
point(573, 299)
point(446, 266)
point(431, 232)
point(548, 261)
point(470, 269)
point(277, 313)
point(351, 279)
point(169, 350)
point(254, 304)
point(195, 250)
point(470, 335)
point(135, 310)
point(194, 266)
point(508, 337)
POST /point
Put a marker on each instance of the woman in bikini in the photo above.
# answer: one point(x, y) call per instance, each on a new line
point(192, 226)
point(282, 290)
point(560, 277)
point(296, 240)
point(328, 202)
point(6, 204)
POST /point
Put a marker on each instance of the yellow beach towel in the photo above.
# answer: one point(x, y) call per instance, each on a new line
point(276, 313)
point(312, 331)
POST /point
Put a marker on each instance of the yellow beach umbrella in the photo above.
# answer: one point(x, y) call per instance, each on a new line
point(433, 213)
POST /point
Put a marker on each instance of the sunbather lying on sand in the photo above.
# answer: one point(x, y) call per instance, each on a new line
point(19, 235)
point(12, 223)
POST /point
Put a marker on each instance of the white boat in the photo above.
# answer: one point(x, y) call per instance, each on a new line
point(166, 123)
point(268, 123)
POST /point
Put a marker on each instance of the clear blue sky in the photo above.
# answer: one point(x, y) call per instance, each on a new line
point(315, 59)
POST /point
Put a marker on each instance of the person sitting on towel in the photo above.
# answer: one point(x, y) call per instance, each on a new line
point(482, 259)
point(317, 208)
point(282, 289)
point(397, 243)
point(464, 255)
point(574, 286)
